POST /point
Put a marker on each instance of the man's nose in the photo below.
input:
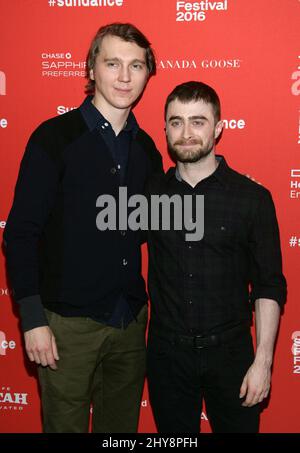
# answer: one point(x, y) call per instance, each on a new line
point(124, 74)
point(186, 131)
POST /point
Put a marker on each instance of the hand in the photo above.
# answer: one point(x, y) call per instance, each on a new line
point(41, 346)
point(256, 384)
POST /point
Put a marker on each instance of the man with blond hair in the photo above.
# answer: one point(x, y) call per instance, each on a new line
point(80, 291)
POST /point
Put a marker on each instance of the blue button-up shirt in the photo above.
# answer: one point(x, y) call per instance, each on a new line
point(118, 145)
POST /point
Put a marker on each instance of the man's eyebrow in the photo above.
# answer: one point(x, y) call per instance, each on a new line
point(198, 117)
point(111, 59)
point(135, 60)
point(174, 117)
point(194, 117)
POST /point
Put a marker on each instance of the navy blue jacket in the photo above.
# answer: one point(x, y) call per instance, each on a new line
point(56, 256)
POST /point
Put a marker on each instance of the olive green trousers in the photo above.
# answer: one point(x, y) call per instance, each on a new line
point(101, 369)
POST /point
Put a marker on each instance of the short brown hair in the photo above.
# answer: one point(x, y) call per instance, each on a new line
point(127, 32)
point(195, 91)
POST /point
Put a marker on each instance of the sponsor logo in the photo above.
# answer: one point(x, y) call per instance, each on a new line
point(295, 88)
point(296, 352)
point(2, 83)
point(177, 64)
point(221, 63)
point(206, 63)
point(298, 128)
point(295, 183)
point(295, 173)
point(11, 400)
point(61, 64)
point(56, 56)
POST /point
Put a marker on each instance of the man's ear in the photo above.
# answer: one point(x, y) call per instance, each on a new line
point(92, 74)
point(218, 128)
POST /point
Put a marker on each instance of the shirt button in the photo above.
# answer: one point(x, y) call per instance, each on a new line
point(191, 275)
point(124, 262)
point(189, 246)
point(123, 233)
point(113, 170)
point(190, 302)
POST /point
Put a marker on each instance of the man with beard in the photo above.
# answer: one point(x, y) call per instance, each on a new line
point(202, 292)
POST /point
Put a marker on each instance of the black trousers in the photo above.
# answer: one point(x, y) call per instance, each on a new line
point(181, 376)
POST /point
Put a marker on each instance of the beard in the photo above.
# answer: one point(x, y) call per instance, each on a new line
point(199, 152)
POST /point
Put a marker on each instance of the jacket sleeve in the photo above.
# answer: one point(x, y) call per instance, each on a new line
point(154, 156)
point(155, 167)
point(34, 196)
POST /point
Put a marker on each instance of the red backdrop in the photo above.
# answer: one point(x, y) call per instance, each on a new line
point(248, 50)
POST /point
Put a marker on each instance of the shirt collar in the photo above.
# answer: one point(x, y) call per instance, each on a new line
point(222, 172)
point(94, 119)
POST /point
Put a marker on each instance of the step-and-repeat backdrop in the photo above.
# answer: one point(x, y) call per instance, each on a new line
point(248, 50)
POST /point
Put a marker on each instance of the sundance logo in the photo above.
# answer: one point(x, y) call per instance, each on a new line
point(12, 401)
point(5, 344)
point(61, 109)
point(86, 3)
point(197, 11)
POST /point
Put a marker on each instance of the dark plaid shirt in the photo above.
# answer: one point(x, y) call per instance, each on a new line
point(209, 285)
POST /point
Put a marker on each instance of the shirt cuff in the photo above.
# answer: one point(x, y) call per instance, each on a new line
point(278, 296)
point(32, 312)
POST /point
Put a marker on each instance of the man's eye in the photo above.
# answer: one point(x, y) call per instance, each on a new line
point(112, 64)
point(198, 123)
point(175, 123)
point(137, 66)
